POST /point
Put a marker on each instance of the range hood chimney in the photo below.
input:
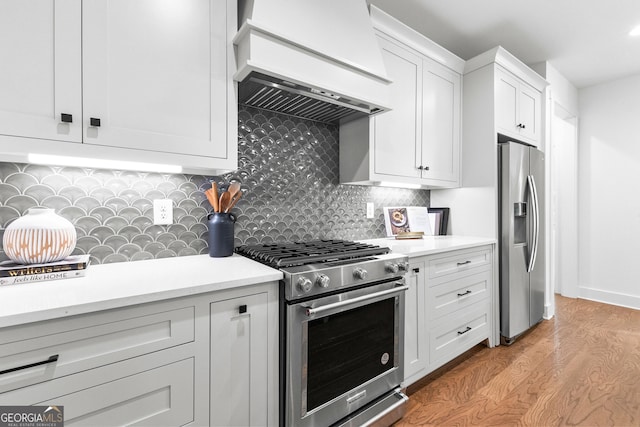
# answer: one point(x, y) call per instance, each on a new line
point(315, 59)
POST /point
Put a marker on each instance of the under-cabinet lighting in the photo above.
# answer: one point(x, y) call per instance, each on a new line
point(635, 31)
point(89, 162)
point(400, 184)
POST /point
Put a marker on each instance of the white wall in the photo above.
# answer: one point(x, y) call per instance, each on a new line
point(609, 192)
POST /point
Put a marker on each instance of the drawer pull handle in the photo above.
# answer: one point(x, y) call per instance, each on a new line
point(66, 118)
point(51, 359)
point(463, 263)
point(465, 293)
point(465, 331)
point(416, 270)
point(242, 309)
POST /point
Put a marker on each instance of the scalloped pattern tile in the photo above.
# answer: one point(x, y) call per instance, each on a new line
point(288, 170)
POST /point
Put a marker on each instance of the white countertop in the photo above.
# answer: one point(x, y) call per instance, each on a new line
point(429, 245)
point(107, 286)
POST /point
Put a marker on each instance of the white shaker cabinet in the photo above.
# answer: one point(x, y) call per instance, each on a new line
point(518, 108)
point(40, 76)
point(130, 80)
point(418, 141)
point(240, 357)
point(206, 359)
point(449, 307)
point(416, 346)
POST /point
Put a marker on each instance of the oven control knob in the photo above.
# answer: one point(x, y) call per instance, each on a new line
point(403, 265)
point(360, 273)
point(392, 268)
point(304, 284)
point(323, 281)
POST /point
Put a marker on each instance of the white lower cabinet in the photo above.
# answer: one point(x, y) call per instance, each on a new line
point(416, 347)
point(208, 359)
point(449, 307)
point(147, 391)
point(240, 362)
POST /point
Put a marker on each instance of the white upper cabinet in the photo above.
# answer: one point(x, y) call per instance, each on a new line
point(440, 159)
point(417, 142)
point(40, 76)
point(397, 132)
point(518, 108)
point(141, 80)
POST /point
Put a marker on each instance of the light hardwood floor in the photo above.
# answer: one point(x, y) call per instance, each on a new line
point(581, 368)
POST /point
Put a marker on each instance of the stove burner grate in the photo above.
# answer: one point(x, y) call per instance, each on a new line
point(280, 255)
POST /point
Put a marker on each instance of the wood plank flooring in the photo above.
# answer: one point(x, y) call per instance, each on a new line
point(581, 368)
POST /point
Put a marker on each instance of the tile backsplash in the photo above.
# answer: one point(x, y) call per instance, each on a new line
point(288, 169)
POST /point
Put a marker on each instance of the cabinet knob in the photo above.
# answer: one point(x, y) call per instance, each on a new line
point(416, 270)
point(242, 309)
point(426, 168)
point(420, 167)
point(95, 122)
point(66, 118)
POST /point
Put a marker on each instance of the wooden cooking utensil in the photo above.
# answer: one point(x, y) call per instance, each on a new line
point(234, 201)
point(213, 202)
point(234, 187)
point(225, 198)
point(214, 195)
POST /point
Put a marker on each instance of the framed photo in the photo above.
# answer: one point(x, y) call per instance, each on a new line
point(405, 219)
point(439, 218)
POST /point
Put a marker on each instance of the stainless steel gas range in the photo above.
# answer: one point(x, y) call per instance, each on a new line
point(341, 331)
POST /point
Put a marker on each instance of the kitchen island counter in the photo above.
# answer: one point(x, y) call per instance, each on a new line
point(430, 245)
point(108, 286)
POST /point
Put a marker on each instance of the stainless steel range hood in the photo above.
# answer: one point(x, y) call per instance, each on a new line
point(315, 59)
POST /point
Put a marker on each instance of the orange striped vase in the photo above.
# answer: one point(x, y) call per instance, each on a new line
point(38, 237)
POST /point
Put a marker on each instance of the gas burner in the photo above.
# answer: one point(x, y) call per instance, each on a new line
point(289, 254)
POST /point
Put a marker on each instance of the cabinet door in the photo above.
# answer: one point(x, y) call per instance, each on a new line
point(40, 72)
point(397, 132)
point(239, 361)
point(440, 156)
point(530, 112)
point(152, 75)
point(415, 333)
point(507, 88)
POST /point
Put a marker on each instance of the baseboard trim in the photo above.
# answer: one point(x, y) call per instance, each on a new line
point(549, 311)
point(607, 297)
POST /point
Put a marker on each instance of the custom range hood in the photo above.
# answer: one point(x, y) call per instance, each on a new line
point(315, 59)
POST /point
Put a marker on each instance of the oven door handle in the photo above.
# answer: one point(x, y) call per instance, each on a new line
point(316, 310)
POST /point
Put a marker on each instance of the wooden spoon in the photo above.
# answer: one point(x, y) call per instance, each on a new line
point(214, 195)
point(213, 202)
point(234, 187)
point(234, 201)
point(225, 198)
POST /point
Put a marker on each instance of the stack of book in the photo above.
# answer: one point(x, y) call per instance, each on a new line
point(72, 266)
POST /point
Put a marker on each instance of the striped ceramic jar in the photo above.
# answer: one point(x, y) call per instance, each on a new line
point(40, 236)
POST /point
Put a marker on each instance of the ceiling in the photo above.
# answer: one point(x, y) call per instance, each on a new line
point(587, 41)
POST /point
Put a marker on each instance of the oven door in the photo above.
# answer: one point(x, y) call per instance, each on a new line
point(344, 351)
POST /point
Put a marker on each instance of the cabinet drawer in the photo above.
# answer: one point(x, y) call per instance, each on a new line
point(456, 333)
point(118, 395)
point(467, 261)
point(87, 341)
point(457, 294)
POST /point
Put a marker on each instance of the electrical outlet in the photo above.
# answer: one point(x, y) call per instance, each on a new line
point(369, 209)
point(163, 211)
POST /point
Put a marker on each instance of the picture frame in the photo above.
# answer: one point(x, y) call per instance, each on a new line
point(441, 220)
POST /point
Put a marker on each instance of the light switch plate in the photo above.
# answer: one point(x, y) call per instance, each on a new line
point(163, 211)
point(370, 210)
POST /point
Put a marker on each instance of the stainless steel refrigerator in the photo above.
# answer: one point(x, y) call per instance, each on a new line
point(522, 243)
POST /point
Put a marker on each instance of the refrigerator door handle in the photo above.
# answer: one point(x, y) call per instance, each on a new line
point(536, 222)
